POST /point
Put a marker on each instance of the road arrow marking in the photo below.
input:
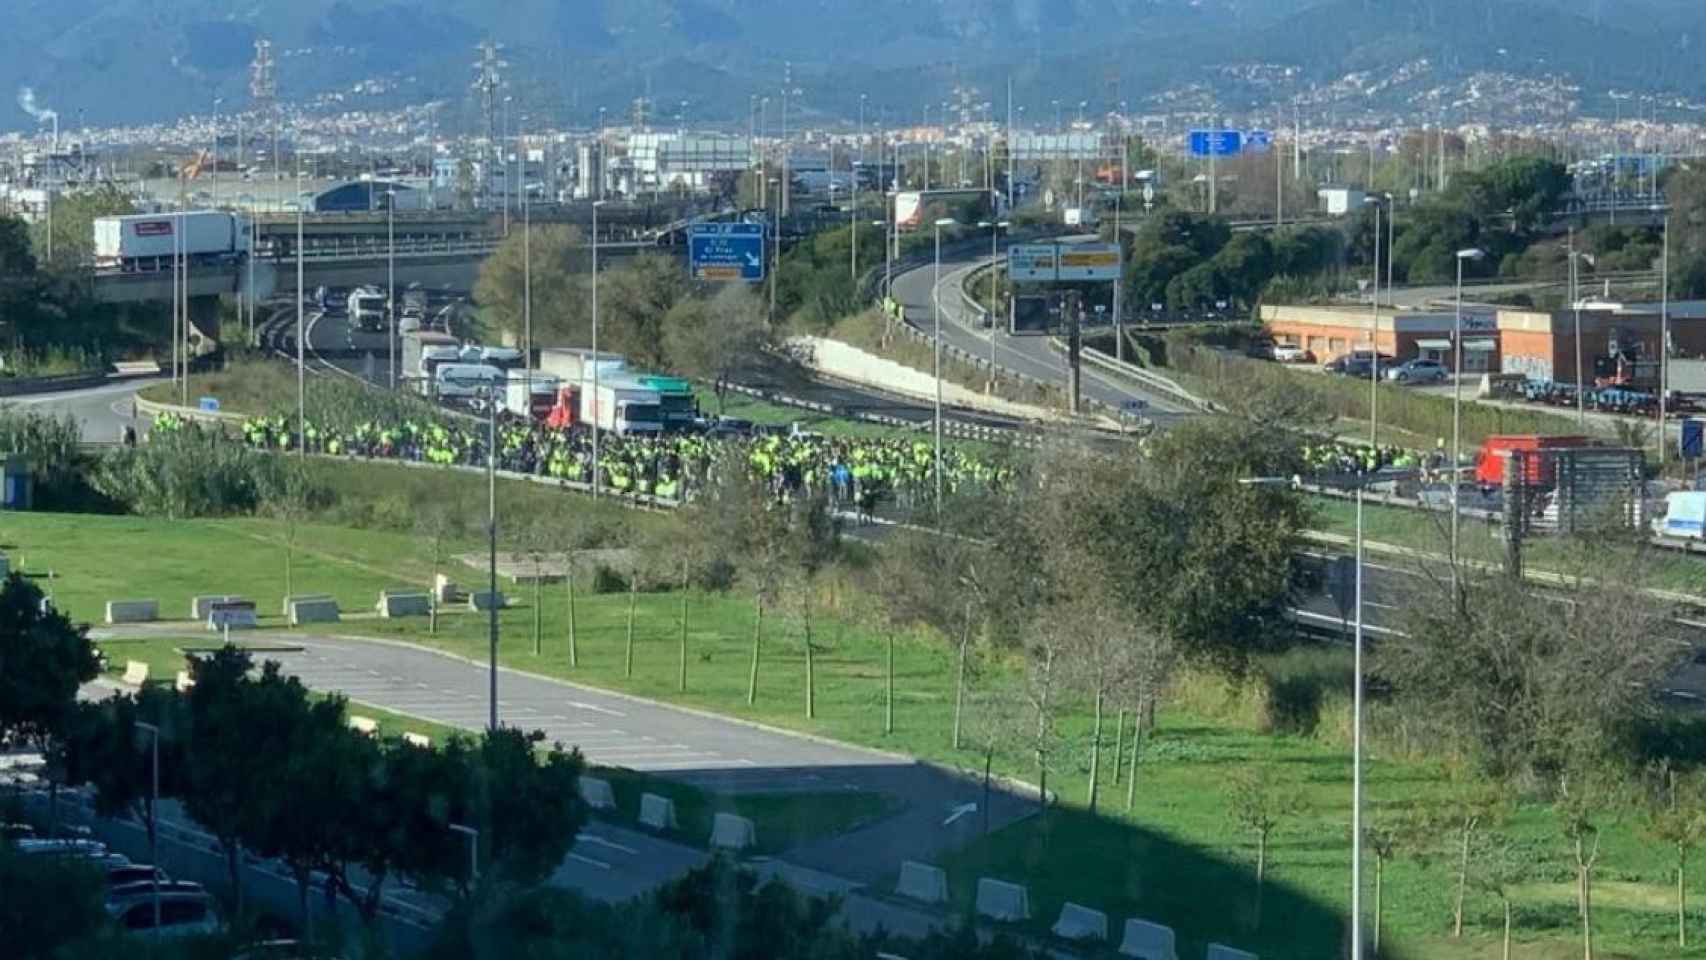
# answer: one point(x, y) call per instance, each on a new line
point(959, 812)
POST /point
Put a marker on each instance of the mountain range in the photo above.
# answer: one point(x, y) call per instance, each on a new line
point(135, 61)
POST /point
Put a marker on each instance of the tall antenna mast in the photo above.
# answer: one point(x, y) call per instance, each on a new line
point(487, 82)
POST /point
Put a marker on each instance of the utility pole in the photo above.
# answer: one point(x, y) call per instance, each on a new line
point(486, 83)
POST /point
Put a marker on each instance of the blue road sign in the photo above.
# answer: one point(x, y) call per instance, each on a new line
point(208, 404)
point(726, 251)
point(1259, 140)
point(1693, 442)
point(1221, 143)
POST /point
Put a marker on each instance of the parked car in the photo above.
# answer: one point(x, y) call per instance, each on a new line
point(182, 914)
point(1356, 364)
point(1417, 371)
point(1290, 353)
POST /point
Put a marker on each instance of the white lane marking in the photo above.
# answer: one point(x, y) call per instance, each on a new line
point(600, 864)
point(596, 709)
point(694, 764)
point(595, 838)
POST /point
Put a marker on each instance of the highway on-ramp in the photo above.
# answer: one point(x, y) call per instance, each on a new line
point(917, 293)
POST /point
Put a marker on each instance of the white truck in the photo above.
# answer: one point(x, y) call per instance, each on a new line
point(530, 394)
point(574, 364)
point(620, 409)
point(467, 383)
point(142, 241)
point(367, 308)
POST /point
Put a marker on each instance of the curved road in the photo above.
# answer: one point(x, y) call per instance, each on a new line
point(1031, 356)
point(102, 412)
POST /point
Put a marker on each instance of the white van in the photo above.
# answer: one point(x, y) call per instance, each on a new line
point(182, 914)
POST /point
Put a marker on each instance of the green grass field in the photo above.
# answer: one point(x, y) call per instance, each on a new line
point(1178, 858)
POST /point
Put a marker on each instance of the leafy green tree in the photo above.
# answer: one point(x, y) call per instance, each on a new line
point(1245, 264)
point(634, 300)
point(44, 659)
point(718, 337)
point(104, 748)
point(530, 804)
point(74, 215)
point(562, 312)
point(48, 904)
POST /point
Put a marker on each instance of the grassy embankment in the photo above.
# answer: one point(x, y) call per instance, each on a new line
point(1178, 858)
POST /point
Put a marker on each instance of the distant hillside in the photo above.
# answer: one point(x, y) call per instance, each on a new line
point(142, 60)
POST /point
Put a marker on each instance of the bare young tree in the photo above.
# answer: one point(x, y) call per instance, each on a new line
point(1590, 801)
point(1472, 805)
point(1499, 868)
point(438, 525)
point(1257, 805)
point(1676, 817)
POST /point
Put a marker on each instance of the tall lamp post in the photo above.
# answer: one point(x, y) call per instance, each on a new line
point(995, 229)
point(1457, 408)
point(936, 309)
point(492, 402)
point(1374, 333)
point(153, 811)
point(1664, 331)
point(391, 281)
point(301, 358)
point(594, 405)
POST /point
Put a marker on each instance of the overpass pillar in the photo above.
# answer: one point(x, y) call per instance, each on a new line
point(204, 324)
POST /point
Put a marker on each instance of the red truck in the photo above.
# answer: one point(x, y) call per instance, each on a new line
point(1490, 466)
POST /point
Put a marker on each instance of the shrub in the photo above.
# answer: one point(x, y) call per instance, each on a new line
point(188, 472)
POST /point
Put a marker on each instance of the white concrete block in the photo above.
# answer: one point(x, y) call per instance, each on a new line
point(445, 589)
point(404, 604)
point(292, 598)
point(184, 682)
point(482, 600)
point(729, 832)
point(1081, 923)
point(922, 882)
point(362, 724)
point(316, 610)
point(417, 739)
point(135, 672)
point(597, 793)
point(200, 607)
point(132, 611)
point(1220, 952)
point(1000, 900)
point(234, 613)
point(657, 812)
point(1148, 941)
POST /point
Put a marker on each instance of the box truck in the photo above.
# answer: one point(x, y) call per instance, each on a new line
point(621, 410)
point(137, 241)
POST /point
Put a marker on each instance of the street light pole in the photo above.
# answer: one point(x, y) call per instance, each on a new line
point(593, 406)
point(391, 281)
point(526, 291)
point(1457, 413)
point(301, 359)
point(1664, 336)
point(153, 813)
point(492, 554)
point(936, 309)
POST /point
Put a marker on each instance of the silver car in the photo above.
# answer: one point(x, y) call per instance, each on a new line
point(1418, 371)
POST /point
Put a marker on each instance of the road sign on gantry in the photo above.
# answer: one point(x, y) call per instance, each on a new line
point(1031, 263)
point(726, 251)
point(1219, 143)
point(1088, 261)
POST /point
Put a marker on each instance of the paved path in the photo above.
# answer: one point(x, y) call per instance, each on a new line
point(708, 751)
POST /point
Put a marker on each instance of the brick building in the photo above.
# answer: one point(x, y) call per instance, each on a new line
point(1331, 332)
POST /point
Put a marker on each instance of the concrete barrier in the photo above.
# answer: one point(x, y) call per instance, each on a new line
point(1148, 941)
point(132, 611)
point(657, 812)
point(233, 614)
point(362, 724)
point(729, 832)
point(445, 589)
point(284, 610)
point(183, 683)
point(318, 610)
point(482, 600)
point(1081, 923)
point(922, 882)
point(200, 607)
point(404, 604)
point(135, 672)
point(417, 739)
point(1218, 951)
point(1000, 900)
point(597, 793)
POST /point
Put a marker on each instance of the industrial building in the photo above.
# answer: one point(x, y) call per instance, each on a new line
point(1537, 344)
point(365, 195)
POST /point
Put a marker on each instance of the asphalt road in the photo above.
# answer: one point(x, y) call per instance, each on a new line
point(1031, 356)
point(1391, 588)
point(102, 412)
point(711, 752)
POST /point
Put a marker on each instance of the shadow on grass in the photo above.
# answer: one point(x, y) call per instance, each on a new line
point(1129, 872)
